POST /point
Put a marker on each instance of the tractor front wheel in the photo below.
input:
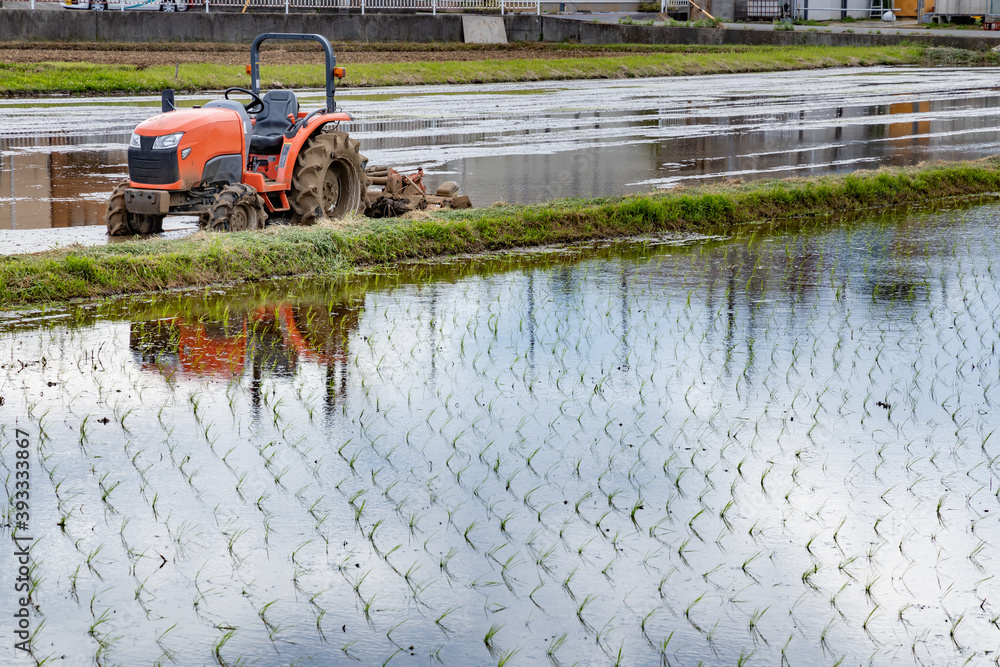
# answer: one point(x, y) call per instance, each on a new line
point(236, 208)
point(329, 180)
point(122, 222)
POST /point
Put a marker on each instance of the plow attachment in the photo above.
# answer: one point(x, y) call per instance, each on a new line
point(401, 193)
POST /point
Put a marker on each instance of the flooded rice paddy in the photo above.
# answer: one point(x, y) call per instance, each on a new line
point(775, 449)
point(531, 142)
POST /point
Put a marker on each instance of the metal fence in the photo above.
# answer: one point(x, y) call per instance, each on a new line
point(827, 10)
point(823, 10)
point(432, 6)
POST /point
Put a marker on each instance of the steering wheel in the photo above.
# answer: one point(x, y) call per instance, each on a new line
point(256, 105)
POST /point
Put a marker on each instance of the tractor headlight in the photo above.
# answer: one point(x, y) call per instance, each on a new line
point(168, 140)
point(134, 141)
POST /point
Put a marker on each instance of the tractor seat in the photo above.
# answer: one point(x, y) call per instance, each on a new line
point(272, 122)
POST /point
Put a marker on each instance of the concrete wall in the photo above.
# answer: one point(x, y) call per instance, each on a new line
point(223, 26)
point(17, 24)
point(523, 28)
point(555, 29)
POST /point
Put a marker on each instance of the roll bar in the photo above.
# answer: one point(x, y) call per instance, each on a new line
point(331, 61)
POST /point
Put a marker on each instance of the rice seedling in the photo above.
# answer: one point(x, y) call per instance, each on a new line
point(445, 614)
point(955, 622)
point(672, 398)
point(490, 634)
point(507, 656)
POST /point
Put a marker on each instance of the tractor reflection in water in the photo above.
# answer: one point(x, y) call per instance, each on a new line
point(270, 339)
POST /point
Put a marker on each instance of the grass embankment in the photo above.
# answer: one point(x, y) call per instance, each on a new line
point(86, 78)
point(140, 266)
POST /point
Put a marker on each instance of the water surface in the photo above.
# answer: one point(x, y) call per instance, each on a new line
point(531, 142)
point(772, 448)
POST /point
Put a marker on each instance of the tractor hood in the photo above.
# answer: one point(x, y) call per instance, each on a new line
point(179, 150)
point(184, 120)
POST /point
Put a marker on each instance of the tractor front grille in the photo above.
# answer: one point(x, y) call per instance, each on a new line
point(152, 167)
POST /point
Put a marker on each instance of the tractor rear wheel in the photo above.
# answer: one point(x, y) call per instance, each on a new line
point(122, 222)
point(329, 180)
point(236, 208)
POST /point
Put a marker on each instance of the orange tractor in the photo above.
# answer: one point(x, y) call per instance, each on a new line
point(235, 164)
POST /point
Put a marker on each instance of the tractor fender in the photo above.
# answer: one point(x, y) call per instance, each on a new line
point(300, 134)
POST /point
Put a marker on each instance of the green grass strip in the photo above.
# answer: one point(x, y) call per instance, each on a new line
point(147, 265)
point(84, 78)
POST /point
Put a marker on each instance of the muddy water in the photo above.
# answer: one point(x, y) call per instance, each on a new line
point(533, 142)
point(779, 448)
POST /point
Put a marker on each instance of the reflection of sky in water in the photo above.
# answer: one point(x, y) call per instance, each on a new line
point(537, 141)
point(799, 426)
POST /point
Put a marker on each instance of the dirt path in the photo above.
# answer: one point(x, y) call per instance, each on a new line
point(145, 55)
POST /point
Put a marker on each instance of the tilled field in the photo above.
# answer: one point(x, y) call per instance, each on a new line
point(145, 55)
